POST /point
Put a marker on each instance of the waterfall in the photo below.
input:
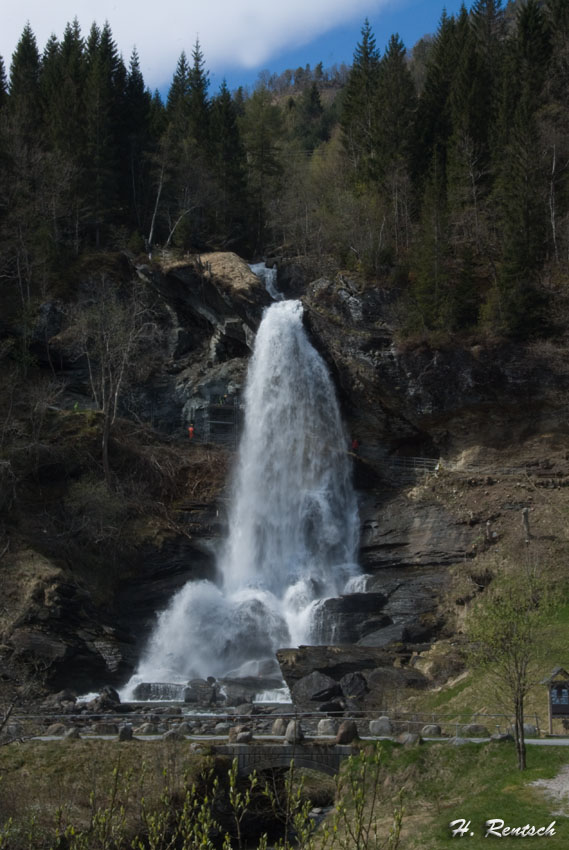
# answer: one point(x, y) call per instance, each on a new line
point(293, 528)
point(269, 278)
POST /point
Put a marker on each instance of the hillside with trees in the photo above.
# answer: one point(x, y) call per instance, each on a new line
point(441, 173)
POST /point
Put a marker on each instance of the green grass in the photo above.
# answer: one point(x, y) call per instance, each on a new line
point(440, 783)
point(475, 782)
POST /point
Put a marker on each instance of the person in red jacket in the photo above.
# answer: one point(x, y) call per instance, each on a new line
point(191, 431)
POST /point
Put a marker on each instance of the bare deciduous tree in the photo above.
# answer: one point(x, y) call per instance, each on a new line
point(114, 333)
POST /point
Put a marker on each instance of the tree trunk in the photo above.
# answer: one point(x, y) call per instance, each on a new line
point(519, 733)
point(105, 446)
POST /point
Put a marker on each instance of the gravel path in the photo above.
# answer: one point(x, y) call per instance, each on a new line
point(557, 790)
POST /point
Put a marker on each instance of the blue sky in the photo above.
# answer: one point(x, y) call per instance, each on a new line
point(239, 39)
point(411, 19)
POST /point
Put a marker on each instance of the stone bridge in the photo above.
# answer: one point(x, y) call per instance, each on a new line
point(325, 758)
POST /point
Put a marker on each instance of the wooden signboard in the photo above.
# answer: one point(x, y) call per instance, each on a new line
point(559, 699)
point(558, 702)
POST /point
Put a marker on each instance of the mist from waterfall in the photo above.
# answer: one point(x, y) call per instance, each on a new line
point(293, 528)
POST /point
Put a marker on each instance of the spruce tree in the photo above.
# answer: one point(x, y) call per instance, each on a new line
point(3, 84)
point(359, 113)
point(396, 105)
point(229, 167)
point(24, 101)
point(198, 102)
point(177, 105)
point(433, 127)
point(103, 98)
point(262, 129)
point(310, 129)
point(137, 122)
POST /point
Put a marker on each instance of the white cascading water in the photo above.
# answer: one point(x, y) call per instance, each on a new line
point(293, 527)
point(269, 278)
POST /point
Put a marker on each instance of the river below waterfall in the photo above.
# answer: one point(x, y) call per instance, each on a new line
point(293, 524)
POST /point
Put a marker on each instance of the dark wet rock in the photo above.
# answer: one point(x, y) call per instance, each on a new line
point(330, 664)
point(307, 689)
point(125, 732)
point(354, 686)
point(333, 707)
point(148, 691)
point(244, 737)
point(347, 732)
point(348, 619)
point(235, 731)
point(111, 694)
point(328, 694)
point(201, 692)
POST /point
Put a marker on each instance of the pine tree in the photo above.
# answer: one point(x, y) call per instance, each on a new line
point(137, 121)
point(434, 113)
point(104, 91)
point(50, 76)
point(396, 104)
point(24, 101)
point(229, 167)
point(309, 126)
point(359, 114)
point(429, 267)
point(177, 105)
point(198, 102)
point(3, 84)
point(262, 131)
point(67, 120)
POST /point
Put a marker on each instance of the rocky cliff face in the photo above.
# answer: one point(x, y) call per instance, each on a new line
point(82, 596)
point(84, 571)
point(427, 401)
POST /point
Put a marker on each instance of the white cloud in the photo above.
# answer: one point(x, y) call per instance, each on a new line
point(244, 33)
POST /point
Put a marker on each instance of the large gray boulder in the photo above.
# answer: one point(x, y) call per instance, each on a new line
point(294, 733)
point(279, 726)
point(327, 728)
point(309, 689)
point(381, 728)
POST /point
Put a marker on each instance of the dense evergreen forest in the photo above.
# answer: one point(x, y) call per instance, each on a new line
point(442, 173)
